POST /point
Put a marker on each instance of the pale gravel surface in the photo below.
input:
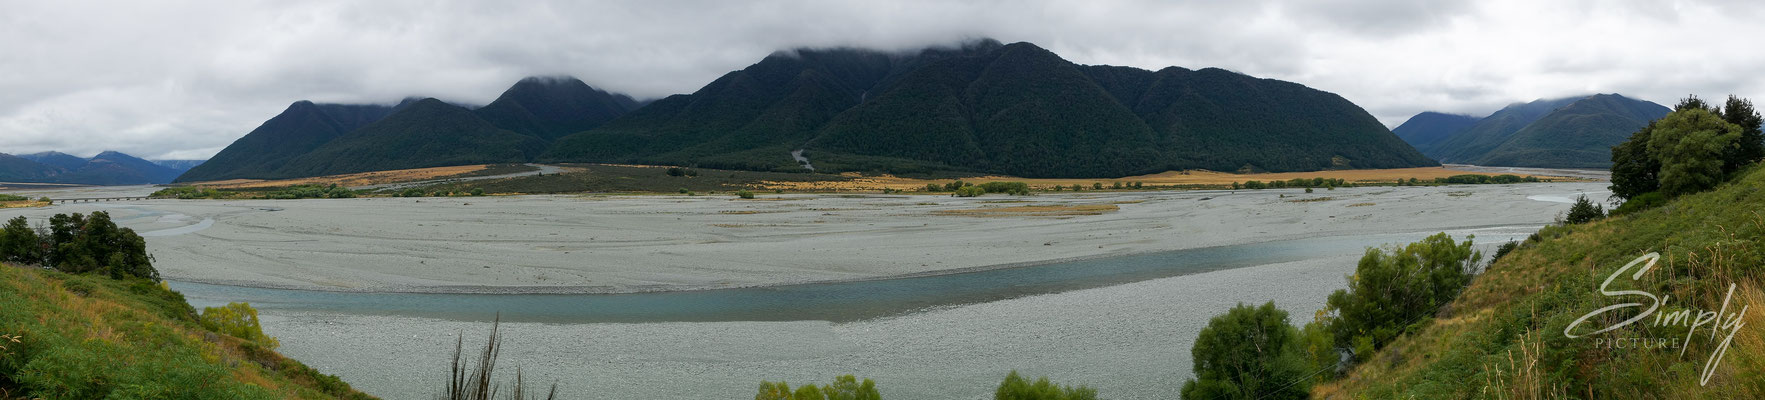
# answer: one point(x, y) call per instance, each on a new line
point(1129, 341)
point(590, 244)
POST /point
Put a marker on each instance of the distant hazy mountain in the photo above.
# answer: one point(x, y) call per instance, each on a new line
point(1576, 132)
point(19, 169)
point(179, 165)
point(107, 168)
point(535, 109)
point(1428, 129)
point(988, 107)
point(57, 159)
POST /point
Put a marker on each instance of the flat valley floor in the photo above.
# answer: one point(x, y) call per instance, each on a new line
point(1128, 340)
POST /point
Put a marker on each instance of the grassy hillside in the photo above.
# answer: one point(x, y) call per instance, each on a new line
point(88, 336)
point(1504, 337)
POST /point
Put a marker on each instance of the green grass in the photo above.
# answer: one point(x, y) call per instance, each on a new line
point(82, 336)
point(1504, 336)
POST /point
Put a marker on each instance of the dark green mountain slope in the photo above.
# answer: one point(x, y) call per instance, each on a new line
point(426, 133)
point(552, 107)
point(57, 159)
point(1580, 135)
point(19, 169)
point(1492, 131)
point(751, 118)
point(985, 107)
point(1017, 110)
point(300, 129)
point(1429, 128)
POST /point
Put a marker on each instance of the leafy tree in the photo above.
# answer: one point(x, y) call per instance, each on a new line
point(1250, 352)
point(1634, 169)
point(1015, 387)
point(845, 387)
point(1097, 186)
point(238, 320)
point(1690, 145)
point(1584, 211)
point(1393, 290)
point(1076, 187)
point(81, 244)
point(1740, 112)
point(969, 191)
point(19, 243)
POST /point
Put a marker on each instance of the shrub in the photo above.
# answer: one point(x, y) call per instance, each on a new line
point(81, 244)
point(676, 171)
point(933, 187)
point(1504, 250)
point(1097, 186)
point(1640, 202)
point(1014, 188)
point(1393, 290)
point(1584, 211)
point(843, 388)
point(1248, 352)
point(744, 193)
point(477, 191)
point(1015, 387)
point(237, 320)
point(1308, 190)
point(1258, 185)
point(969, 191)
point(412, 192)
point(19, 243)
point(10, 197)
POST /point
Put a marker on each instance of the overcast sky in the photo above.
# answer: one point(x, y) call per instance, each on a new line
point(182, 79)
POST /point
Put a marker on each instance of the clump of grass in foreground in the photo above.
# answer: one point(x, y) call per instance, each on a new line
point(475, 382)
point(90, 336)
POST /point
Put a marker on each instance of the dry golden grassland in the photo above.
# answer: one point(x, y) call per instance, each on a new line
point(860, 182)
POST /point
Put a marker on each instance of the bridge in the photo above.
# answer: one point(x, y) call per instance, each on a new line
point(98, 199)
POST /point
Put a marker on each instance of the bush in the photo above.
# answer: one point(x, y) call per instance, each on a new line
point(477, 191)
point(969, 191)
point(237, 320)
point(1015, 387)
point(1504, 250)
point(1640, 202)
point(1308, 190)
point(1392, 291)
point(81, 244)
point(10, 197)
point(412, 192)
point(744, 193)
point(1014, 188)
point(1248, 352)
point(1584, 211)
point(843, 388)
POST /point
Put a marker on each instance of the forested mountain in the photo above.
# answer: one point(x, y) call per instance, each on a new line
point(107, 168)
point(552, 107)
point(1429, 128)
point(988, 107)
point(536, 109)
point(1491, 131)
point(982, 107)
point(426, 133)
point(1580, 135)
point(300, 129)
point(1575, 132)
point(180, 165)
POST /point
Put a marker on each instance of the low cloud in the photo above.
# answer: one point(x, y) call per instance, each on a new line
point(184, 79)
